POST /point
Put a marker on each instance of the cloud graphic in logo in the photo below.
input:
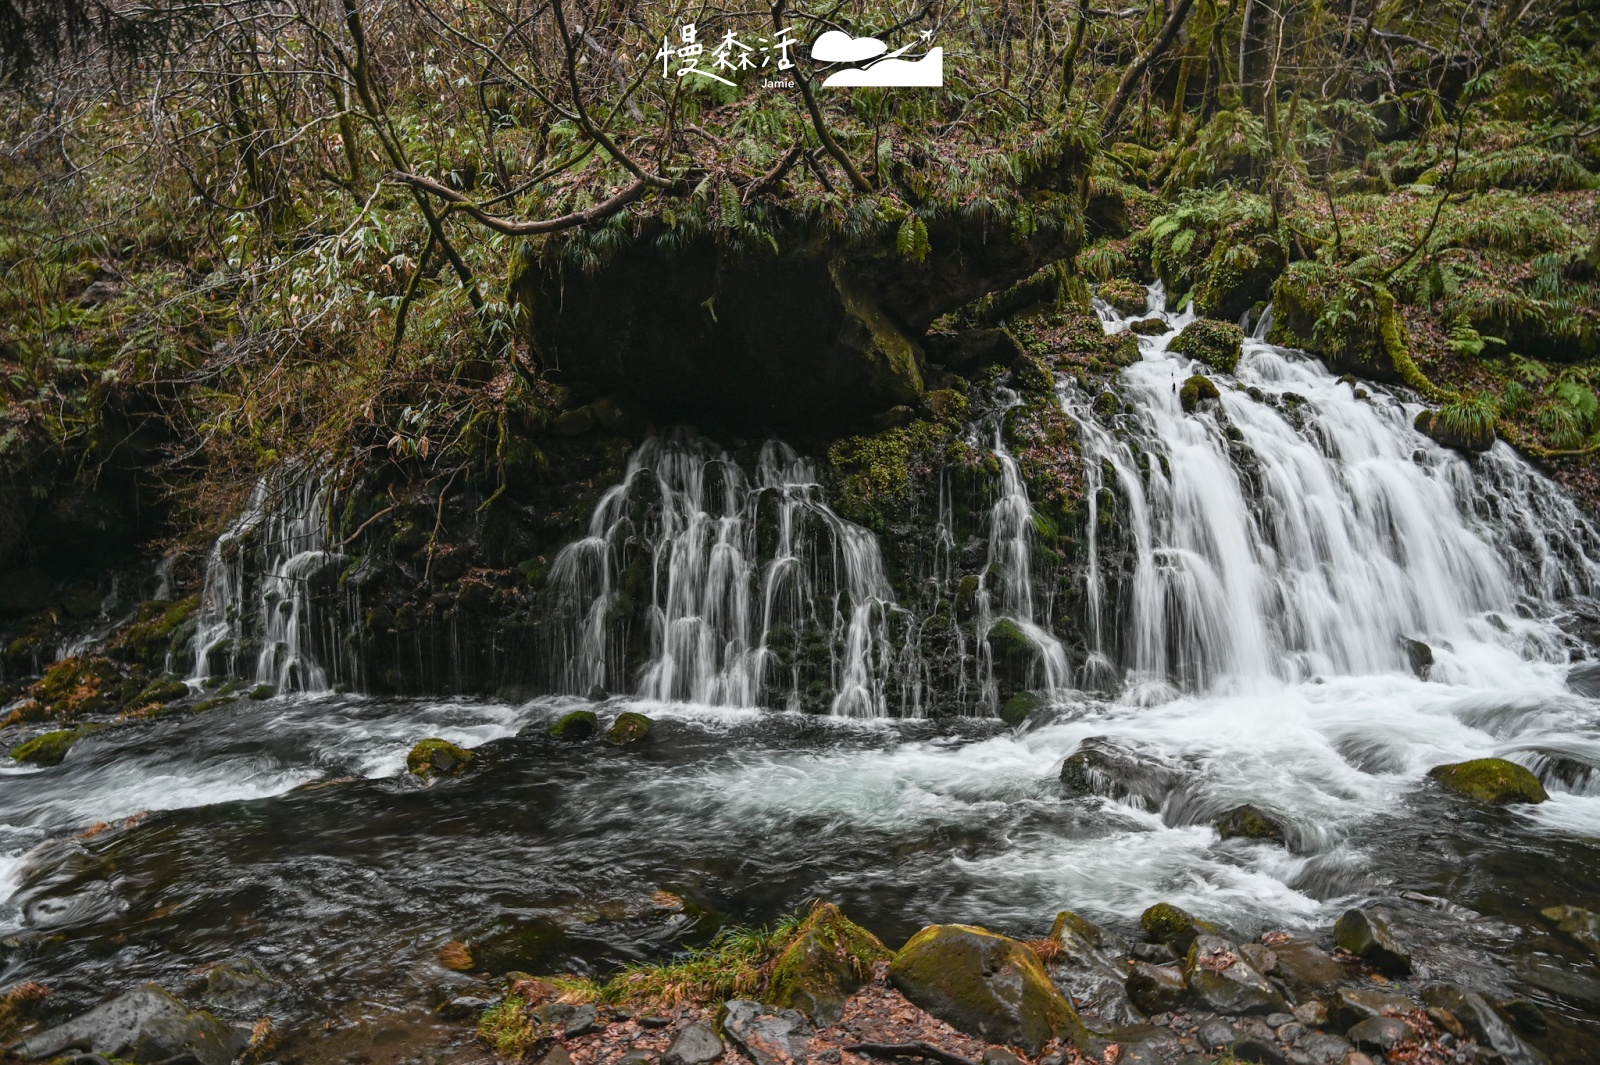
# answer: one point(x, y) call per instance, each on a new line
point(924, 73)
point(836, 46)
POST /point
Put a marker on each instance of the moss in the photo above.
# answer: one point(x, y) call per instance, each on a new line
point(1148, 327)
point(211, 704)
point(1125, 297)
point(1067, 922)
point(1195, 391)
point(151, 635)
point(828, 959)
point(1247, 822)
point(735, 965)
point(576, 726)
point(48, 749)
point(1015, 710)
point(1217, 344)
point(435, 757)
point(1006, 640)
point(628, 728)
point(263, 691)
point(967, 596)
point(1166, 923)
point(165, 690)
point(877, 474)
point(1492, 780)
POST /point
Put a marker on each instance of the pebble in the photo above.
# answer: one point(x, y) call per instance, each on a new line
point(1278, 1020)
point(1289, 1031)
point(1312, 1014)
point(1381, 1033)
point(1215, 1034)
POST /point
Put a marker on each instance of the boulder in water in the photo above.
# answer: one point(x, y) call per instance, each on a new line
point(1196, 390)
point(1484, 1023)
point(1493, 780)
point(1419, 655)
point(1127, 298)
point(986, 985)
point(1166, 923)
point(1148, 327)
point(577, 726)
point(435, 757)
point(144, 1025)
point(238, 986)
point(47, 749)
point(1585, 679)
point(1015, 710)
point(1248, 822)
point(1222, 981)
point(829, 957)
point(1370, 935)
point(629, 728)
point(1217, 344)
point(767, 1036)
point(1101, 766)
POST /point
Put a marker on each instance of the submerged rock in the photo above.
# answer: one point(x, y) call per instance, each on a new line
point(1419, 655)
point(145, 1025)
point(696, 1044)
point(828, 959)
point(1101, 766)
point(239, 985)
point(1484, 1023)
point(435, 757)
point(1582, 925)
point(1218, 344)
point(1248, 822)
point(1370, 935)
point(766, 1036)
point(628, 728)
point(987, 985)
point(47, 749)
point(1016, 709)
point(1493, 780)
point(1223, 982)
point(577, 726)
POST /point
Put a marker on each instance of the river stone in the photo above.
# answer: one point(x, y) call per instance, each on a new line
point(1195, 391)
point(1352, 1005)
point(987, 985)
point(1369, 934)
point(1223, 982)
point(1419, 656)
point(1582, 925)
point(584, 1020)
point(1305, 966)
point(145, 1025)
point(1248, 822)
point(1381, 1033)
point(238, 985)
point(1258, 1049)
point(1149, 327)
point(1166, 923)
point(1215, 1034)
point(577, 726)
point(767, 1036)
point(1485, 1024)
point(435, 757)
point(1156, 988)
point(628, 728)
point(1101, 766)
point(1087, 976)
point(1325, 1049)
point(829, 957)
point(1493, 780)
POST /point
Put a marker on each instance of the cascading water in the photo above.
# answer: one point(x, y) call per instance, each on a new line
point(1300, 527)
point(257, 584)
point(756, 591)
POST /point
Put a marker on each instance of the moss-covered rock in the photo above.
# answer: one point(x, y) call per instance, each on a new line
point(1248, 822)
point(828, 959)
point(435, 757)
point(48, 749)
point(75, 687)
point(1217, 344)
point(155, 629)
point(1582, 925)
point(987, 985)
point(1492, 780)
point(1125, 297)
point(1015, 710)
point(577, 726)
point(1169, 924)
point(1006, 640)
point(629, 727)
point(1148, 327)
point(163, 690)
point(1196, 390)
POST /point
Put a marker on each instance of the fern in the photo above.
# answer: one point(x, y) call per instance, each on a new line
point(912, 239)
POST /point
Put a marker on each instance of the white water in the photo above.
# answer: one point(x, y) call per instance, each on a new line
point(257, 583)
point(732, 567)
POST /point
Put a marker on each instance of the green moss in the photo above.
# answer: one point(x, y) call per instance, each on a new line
point(877, 474)
point(165, 690)
point(828, 959)
point(1007, 641)
point(1492, 780)
point(1015, 710)
point(151, 635)
point(629, 727)
point(1067, 922)
point(1125, 297)
point(48, 749)
point(576, 726)
point(1247, 822)
point(1166, 923)
point(1217, 344)
point(1196, 390)
point(435, 757)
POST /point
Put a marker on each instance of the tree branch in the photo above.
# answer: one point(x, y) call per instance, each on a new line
point(1130, 78)
point(513, 227)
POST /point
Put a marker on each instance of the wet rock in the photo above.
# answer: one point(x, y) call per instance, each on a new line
point(1419, 655)
point(1166, 923)
point(1585, 679)
point(1288, 1032)
point(145, 1025)
point(263, 691)
point(1223, 982)
point(1248, 822)
point(1493, 780)
point(1218, 344)
point(1305, 966)
point(1484, 1023)
point(573, 422)
point(829, 957)
point(1370, 934)
point(1582, 925)
point(47, 749)
point(584, 1020)
point(1259, 1049)
point(1100, 766)
point(1154, 953)
point(1312, 1014)
point(696, 1044)
point(435, 757)
point(577, 726)
point(163, 690)
point(1215, 1034)
point(462, 1007)
point(1156, 988)
point(1325, 1049)
point(238, 985)
point(986, 985)
point(1264, 958)
point(637, 1057)
point(1148, 327)
point(597, 694)
point(1352, 1005)
point(1195, 391)
point(628, 728)
point(1524, 1014)
point(767, 1036)
point(1090, 977)
point(1381, 1033)
point(1016, 709)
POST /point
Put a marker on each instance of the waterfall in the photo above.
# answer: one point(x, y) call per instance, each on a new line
point(749, 592)
point(1299, 527)
point(258, 584)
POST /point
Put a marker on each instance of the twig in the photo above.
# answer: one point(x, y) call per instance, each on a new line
point(513, 227)
point(910, 1050)
point(363, 526)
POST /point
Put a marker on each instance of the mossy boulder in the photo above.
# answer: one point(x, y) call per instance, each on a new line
point(986, 985)
point(576, 727)
point(1148, 327)
point(435, 757)
point(829, 957)
point(1493, 780)
point(1006, 640)
point(1125, 297)
point(1248, 822)
point(1217, 344)
point(156, 628)
point(1196, 390)
point(75, 687)
point(1015, 710)
point(47, 749)
point(1166, 923)
point(628, 728)
point(1459, 427)
point(165, 690)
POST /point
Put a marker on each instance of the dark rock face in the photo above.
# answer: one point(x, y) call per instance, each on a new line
point(1370, 934)
point(145, 1025)
point(767, 1036)
point(1156, 988)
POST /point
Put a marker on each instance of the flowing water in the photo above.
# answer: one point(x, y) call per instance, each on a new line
point(1248, 604)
